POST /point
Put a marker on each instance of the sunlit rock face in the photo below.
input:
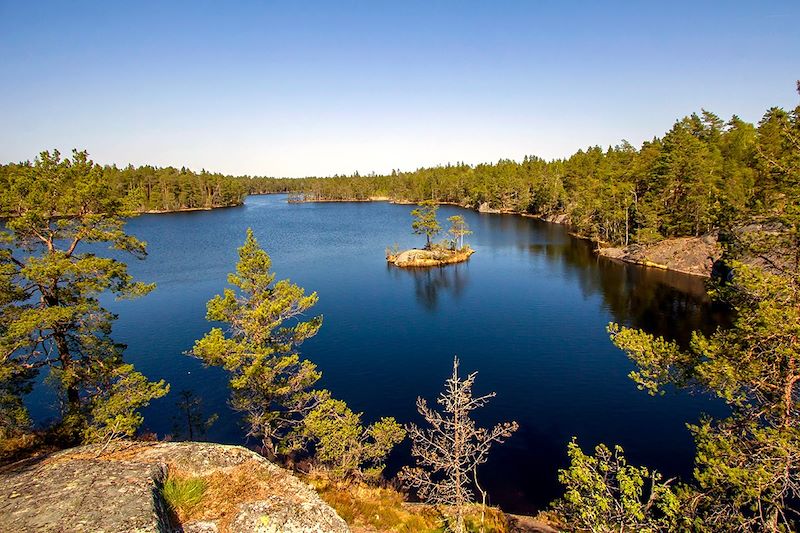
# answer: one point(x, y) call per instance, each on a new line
point(119, 489)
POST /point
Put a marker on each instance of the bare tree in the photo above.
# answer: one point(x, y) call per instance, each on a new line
point(449, 452)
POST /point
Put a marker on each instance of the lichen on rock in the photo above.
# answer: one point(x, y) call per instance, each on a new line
point(82, 489)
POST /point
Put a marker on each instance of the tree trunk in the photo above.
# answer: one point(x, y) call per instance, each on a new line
point(73, 398)
point(189, 422)
point(267, 449)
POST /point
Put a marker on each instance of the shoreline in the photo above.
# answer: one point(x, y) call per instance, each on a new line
point(691, 256)
point(417, 258)
point(186, 209)
point(159, 212)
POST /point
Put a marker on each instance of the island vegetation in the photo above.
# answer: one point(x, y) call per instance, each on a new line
point(446, 252)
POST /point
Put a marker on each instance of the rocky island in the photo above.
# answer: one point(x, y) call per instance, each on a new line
point(447, 252)
point(429, 258)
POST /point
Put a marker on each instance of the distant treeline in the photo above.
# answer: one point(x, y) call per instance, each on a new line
point(703, 174)
point(144, 188)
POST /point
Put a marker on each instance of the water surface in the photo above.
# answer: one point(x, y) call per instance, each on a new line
point(528, 312)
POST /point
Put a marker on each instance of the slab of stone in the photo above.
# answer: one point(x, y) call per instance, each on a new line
point(59, 494)
point(82, 490)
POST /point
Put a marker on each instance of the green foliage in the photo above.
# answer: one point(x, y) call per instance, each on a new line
point(603, 493)
point(458, 229)
point(345, 445)
point(142, 189)
point(114, 410)
point(269, 382)
point(703, 174)
point(182, 495)
point(50, 315)
point(747, 468)
point(425, 222)
point(748, 464)
point(15, 382)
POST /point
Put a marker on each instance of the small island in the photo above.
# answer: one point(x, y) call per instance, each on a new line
point(446, 252)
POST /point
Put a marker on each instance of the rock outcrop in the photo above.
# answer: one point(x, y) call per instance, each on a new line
point(429, 258)
point(690, 255)
point(120, 490)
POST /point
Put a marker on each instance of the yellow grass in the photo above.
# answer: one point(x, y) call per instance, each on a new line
point(224, 491)
point(379, 509)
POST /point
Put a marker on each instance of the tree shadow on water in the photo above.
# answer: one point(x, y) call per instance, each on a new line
point(431, 284)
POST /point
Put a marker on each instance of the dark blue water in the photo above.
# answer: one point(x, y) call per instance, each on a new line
point(528, 312)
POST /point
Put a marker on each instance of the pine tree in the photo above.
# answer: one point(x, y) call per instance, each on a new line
point(748, 464)
point(425, 222)
point(458, 229)
point(269, 382)
point(348, 448)
point(50, 315)
point(190, 416)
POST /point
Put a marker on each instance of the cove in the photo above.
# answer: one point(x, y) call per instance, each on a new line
point(528, 312)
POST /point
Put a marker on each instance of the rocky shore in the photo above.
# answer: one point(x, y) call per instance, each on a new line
point(689, 255)
point(429, 258)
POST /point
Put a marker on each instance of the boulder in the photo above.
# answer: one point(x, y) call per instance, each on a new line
point(119, 489)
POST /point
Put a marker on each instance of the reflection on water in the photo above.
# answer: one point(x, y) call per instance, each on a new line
point(431, 283)
point(664, 303)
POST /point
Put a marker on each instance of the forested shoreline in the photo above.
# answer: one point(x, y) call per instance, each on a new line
point(702, 175)
point(143, 189)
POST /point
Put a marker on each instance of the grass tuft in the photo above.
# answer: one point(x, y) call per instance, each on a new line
point(183, 494)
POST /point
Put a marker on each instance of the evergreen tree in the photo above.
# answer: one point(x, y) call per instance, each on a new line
point(50, 316)
point(190, 416)
point(425, 222)
point(269, 382)
point(345, 445)
point(458, 229)
point(748, 464)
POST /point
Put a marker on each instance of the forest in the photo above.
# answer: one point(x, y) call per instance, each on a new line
point(142, 189)
point(704, 174)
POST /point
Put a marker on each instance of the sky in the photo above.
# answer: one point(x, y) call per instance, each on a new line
point(297, 88)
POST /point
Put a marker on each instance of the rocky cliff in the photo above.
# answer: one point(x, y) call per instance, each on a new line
point(119, 489)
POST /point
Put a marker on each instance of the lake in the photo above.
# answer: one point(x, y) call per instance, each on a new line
point(528, 312)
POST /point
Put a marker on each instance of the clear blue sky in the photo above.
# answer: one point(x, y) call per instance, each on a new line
point(297, 88)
